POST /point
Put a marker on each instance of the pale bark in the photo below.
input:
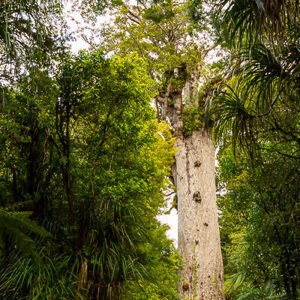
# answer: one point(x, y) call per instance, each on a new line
point(198, 230)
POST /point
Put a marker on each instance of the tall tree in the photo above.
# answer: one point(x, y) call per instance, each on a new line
point(159, 34)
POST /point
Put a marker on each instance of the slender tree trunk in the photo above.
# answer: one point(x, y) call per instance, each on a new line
point(198, 230)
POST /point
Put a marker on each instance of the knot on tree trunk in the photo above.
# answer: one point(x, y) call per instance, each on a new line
point(185, 286)
point(197, 197)
point(197, 164)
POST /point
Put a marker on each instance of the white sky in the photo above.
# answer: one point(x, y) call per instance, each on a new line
point(172, 221)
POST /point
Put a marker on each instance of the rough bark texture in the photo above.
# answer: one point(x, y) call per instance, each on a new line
point(198, 230)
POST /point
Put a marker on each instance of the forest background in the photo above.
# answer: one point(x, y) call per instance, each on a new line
point(85, 159)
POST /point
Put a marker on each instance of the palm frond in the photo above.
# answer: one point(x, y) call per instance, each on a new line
point(245, 22)
point(262, 77)
point(233, 117)
point(254, 95)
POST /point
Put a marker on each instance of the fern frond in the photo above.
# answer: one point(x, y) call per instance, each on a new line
point(15, 228)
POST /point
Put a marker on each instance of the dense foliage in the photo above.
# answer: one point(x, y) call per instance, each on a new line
point(32, 33)
point(161, 34)
point(84, 162)
point(81, 152)
point(260, 226)
point(256, 113)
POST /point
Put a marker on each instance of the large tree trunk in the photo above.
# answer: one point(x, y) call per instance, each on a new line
point(198, 230)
